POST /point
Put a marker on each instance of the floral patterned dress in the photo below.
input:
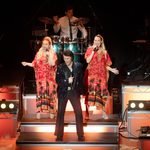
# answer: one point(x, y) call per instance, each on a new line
point(45, 84)
point(96, 78)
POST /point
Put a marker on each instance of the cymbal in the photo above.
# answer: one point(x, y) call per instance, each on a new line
point(84, 20)
point(45, 20)
point(39, 32)
point(140, 41)
point(80, 20)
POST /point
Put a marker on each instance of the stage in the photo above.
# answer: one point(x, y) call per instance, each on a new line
point(22, 131)
point(100, 134)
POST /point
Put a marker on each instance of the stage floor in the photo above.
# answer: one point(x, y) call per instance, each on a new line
point(124, 144)
point(46, 140)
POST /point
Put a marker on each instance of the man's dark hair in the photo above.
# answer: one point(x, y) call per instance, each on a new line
point(68, 7)
point(68, 53)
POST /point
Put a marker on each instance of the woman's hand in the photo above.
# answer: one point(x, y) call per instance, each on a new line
point(115, 71)
point(24, 63)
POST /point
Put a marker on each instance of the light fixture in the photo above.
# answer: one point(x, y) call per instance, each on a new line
point(139, 105)
point(11, 105)
point(132, 105)
point(8, 106)
point(3, 106)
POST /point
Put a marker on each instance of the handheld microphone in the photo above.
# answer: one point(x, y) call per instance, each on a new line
point(96, 48)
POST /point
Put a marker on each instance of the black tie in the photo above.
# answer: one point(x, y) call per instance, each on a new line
point(70, 29)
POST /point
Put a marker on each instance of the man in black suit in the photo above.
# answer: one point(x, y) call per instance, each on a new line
point(69, 78)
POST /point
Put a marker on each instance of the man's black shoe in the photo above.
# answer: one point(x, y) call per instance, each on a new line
point(81, 138)
point(59, 138)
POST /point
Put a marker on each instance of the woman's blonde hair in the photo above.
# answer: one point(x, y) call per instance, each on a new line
point(51, 50)
point(102, 39)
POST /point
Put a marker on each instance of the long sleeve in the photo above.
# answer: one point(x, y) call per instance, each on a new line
point(83, 31)
point(88, 52)
point(34, 62)
point(52, 59)
point(108, 59)
point(60, 78)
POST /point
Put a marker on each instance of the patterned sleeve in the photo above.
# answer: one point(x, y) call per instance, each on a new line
point(88, 52)
point(108, 59)
point(55, 58)
point(34, 61)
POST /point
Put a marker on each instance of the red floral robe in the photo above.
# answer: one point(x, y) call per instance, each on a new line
point(96, 80)
point(45, 84)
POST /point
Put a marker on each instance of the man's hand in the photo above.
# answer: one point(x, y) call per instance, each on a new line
point(55, 19)
point(70, 80)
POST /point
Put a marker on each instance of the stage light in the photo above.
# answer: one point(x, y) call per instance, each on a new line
point(8, 106)
point(11, 105)
point(139, 105)
point(3, 106)
point(132, 105)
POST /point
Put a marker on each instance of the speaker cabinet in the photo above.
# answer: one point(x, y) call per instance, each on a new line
point(134, 92)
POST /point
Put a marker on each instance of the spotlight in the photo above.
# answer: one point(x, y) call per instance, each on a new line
point(132, 105)
point(8, 106)
point(139, 105)
point(3, 106)
point(11, 105)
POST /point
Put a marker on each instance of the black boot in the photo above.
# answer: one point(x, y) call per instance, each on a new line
point(59, 138)
point(81, 138)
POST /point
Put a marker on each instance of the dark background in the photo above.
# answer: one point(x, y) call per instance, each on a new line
point(120, 23)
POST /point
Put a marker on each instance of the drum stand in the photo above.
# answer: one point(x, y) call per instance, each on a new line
point(46, 30)
point(82, 47)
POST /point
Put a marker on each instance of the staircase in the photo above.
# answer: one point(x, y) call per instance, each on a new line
point(39, 134)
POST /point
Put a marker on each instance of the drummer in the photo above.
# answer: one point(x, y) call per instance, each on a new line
point(68, 25)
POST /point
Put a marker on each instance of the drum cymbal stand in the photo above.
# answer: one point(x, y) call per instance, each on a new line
point(45, 28)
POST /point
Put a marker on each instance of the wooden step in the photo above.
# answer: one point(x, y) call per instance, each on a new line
point(31, 124)
point(40, 138)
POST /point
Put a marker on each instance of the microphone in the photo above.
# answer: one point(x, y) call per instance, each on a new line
point(96, 48)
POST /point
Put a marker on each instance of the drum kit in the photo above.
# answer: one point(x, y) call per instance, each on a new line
point(60, 44)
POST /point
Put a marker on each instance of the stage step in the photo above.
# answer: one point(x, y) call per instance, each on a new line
point(31, 124)
point(48, 139)
point(98, 133)
point(70, 127)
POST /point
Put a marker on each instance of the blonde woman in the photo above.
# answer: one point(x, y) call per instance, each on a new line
point(97, 74)
point(44, 65)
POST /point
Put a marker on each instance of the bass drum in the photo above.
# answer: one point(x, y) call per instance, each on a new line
point(82, 45)
point(56, 43)
point(72, 46)
point(57, 48)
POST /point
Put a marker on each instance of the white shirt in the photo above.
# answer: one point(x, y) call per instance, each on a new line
point(65, 29)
